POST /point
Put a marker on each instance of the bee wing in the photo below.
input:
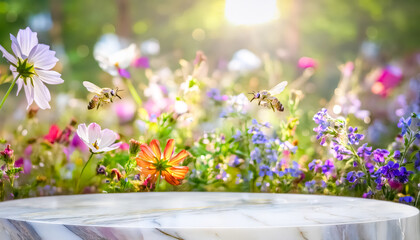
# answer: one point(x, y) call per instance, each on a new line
point(278, 88)
point(92, 87)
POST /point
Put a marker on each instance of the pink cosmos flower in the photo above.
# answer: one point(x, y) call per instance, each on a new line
point(96, 139)
point(388, 79)
point(32, 62)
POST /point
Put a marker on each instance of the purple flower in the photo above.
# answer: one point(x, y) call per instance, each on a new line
point(328, 166)
point(353, 176)
point(379, 155)
point(237, 135)
point(397, 154)
point(368, 194)
point(390, 170)
point(124, 73)
point(354, 137)
point(214, 93)
point(364, 151)
point(340, 152)
point(321, 118)
point(403, 175)
point(141, 62)
point(404, 124)
point(316, 165)
point(235, 161)
point(26, 164)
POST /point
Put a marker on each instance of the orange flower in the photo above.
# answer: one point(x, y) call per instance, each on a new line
point(154, 164)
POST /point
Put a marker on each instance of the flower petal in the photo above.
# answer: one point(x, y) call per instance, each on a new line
point(155, 146)
point(8, 56)
point(145, 164)
point(94, 132)
point(178, 158)
point(41, 94)
point(170, 179)
point(110, 148)
point(82, 132)
point(42, 57)
point(29, 92)
point(16, 48)
point(178, 172)
point(107, 138)
point(27, 40)
point(50, 77)
point(146, 153)
point(169, 149)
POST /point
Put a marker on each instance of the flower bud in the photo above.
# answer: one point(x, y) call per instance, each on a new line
point(134, 147)
point(101, 169)
point(115, 173)
point(7, 154)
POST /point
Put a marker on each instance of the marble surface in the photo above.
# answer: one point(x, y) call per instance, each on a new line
point(203, 215)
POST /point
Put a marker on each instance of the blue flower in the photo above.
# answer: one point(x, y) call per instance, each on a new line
point(310, 186)
point(294, 170)
point(265, 171)
point(404, 124)
point(340, 151)
point(256, 155)
point(406, 199)
point(315, 164)
point(368, 194)
point(397, 154)
point(321, 118)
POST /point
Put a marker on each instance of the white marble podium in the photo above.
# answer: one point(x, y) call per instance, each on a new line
point(204, 215)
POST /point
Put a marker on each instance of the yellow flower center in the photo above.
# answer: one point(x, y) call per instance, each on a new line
point(95, 145)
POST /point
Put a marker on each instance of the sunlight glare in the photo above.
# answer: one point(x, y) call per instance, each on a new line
point(251, 12)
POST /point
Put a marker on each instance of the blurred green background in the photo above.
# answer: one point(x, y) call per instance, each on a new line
point(332, 32)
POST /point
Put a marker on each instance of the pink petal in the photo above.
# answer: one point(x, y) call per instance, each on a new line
point(94, 132)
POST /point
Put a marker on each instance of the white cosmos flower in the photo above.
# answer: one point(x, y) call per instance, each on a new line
point(96, 139)
point(33, 63)
point(111, 56)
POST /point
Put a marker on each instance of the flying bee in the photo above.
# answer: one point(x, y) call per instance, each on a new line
point(102, 95)
point(267, 98)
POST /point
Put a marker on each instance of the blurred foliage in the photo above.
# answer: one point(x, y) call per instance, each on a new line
point(330, 31)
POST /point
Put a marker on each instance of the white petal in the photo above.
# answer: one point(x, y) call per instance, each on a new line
point(20, 83)
point(94, 132)
point(8, 56)
point(50, 77)
point(42, 57)
point(16, 48)
point(29, 92)
point(82, 132)
point(110, 148)
point(41, 94)
point(27, 40)
point(108, 137)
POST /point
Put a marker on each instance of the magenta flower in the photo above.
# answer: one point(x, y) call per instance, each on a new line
point(141, 62)
point(31, 64)
point(306, 62)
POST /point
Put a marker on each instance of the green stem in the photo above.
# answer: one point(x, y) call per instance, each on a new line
point(9, 90)
point(81, 173)
point(133, 91)
point(158, 183)
point(411, 140)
